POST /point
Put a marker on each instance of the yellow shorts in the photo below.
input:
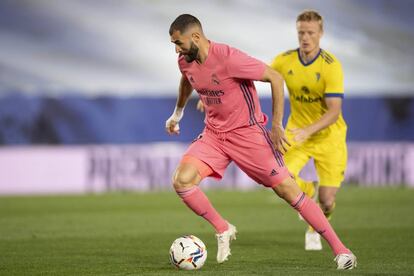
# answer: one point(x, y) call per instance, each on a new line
point(330, 160)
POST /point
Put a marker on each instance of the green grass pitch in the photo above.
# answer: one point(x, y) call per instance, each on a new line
point(130, 234)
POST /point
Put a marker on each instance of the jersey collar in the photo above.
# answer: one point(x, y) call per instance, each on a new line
point(310, 62)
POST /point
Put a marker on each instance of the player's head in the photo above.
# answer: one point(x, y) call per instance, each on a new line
point(309, 25)
point(186, 33)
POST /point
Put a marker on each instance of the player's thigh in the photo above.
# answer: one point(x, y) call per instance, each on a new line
point(296, 158)
point(330, 163)
point(253, 152)
point(207, 150)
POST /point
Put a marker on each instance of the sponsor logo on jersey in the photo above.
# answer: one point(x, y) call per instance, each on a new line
point(212, 100)
point(211, 96)
point(306, 99)
point(211, 93)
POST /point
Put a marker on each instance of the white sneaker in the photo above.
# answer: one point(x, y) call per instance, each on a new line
point(346, 261)
point(312, 240)
point(223, 242)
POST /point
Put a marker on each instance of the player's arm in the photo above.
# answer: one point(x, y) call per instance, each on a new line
point(276, 83)
point(334, 92)
point(334, 105)
point(184, 92)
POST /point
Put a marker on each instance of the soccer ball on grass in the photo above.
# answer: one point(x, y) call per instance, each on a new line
point(188, 253)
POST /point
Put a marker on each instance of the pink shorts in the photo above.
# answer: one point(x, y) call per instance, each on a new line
point(250, 148)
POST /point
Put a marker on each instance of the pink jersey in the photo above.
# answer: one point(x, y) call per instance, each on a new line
point(225, 85)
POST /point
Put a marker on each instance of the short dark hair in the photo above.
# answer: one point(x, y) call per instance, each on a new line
point(182, 22)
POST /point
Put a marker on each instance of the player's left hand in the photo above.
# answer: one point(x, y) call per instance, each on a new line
point(278, 138)
point(300, 135)
point(200, 106)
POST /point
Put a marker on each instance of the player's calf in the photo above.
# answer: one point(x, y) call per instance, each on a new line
point(327, 197)
point(185, 181)
point(328, 210)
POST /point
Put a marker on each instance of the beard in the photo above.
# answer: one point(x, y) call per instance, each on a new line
point(192, 53)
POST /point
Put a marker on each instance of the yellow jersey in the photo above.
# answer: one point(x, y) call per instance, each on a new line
point(308, 85)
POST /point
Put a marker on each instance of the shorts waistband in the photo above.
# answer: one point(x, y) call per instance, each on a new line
point(222, 136)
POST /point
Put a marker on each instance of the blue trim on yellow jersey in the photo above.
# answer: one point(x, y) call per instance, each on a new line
point(331, 95)
point(310, 62)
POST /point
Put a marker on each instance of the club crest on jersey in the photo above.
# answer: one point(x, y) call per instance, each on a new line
point(318, 76)
point(305, 90)
point(214, 79)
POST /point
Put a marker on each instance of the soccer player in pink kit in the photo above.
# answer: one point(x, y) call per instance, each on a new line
point(223, 77)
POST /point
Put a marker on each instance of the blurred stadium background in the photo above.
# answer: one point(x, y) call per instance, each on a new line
point(86, 87)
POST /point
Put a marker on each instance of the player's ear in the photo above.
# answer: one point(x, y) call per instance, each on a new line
point(196, 37)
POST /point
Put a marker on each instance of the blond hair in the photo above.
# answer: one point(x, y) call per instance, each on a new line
point(310, 15)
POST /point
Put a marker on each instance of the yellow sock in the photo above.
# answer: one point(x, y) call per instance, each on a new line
point(306, 186)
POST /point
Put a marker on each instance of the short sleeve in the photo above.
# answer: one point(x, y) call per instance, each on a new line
point(334, 80)
point(277, 64)
point(242, 66)
point(180, 62)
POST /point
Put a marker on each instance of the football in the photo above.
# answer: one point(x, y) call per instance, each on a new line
point(188, 253)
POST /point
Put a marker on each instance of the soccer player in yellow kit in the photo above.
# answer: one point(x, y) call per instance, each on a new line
point(315, 128)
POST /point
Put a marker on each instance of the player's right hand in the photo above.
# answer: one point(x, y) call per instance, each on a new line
point(279, 139)
point(172, 127)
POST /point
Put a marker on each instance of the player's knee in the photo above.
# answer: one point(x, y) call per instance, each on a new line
point(327, 203)
point(288, 190)
point(185, 177)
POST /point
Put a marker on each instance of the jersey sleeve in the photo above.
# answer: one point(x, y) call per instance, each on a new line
point(180, 62)
point(242, 66)
point(334, 80)
point(276, 64)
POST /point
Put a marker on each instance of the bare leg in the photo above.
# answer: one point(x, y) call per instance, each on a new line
point(327, 197)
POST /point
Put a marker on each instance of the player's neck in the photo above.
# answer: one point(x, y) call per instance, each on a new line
point(308, 57)
point(203, 51)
